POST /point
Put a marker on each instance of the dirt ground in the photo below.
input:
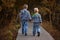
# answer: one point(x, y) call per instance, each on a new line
point(51, 29)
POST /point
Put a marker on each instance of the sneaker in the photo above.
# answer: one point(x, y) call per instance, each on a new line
point(25, 34)
point(38, 34)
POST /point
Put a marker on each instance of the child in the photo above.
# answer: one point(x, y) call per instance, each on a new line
point(25, 17)
point(36, 22)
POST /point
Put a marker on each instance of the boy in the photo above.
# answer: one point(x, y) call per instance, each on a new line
point(36, 22)
point(25, 17)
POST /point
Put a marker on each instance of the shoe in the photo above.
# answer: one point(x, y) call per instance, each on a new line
point(38, 34)
point(25, 34)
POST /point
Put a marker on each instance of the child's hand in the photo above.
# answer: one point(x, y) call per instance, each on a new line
point(29, 20)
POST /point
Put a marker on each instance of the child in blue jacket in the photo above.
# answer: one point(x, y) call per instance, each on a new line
point(36, 19)
point(25, 17)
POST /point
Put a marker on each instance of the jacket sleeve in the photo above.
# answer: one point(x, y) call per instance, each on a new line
point(40, 18)
point(29, 15)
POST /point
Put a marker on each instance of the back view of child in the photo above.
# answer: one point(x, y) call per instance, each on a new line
point(36, 19)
